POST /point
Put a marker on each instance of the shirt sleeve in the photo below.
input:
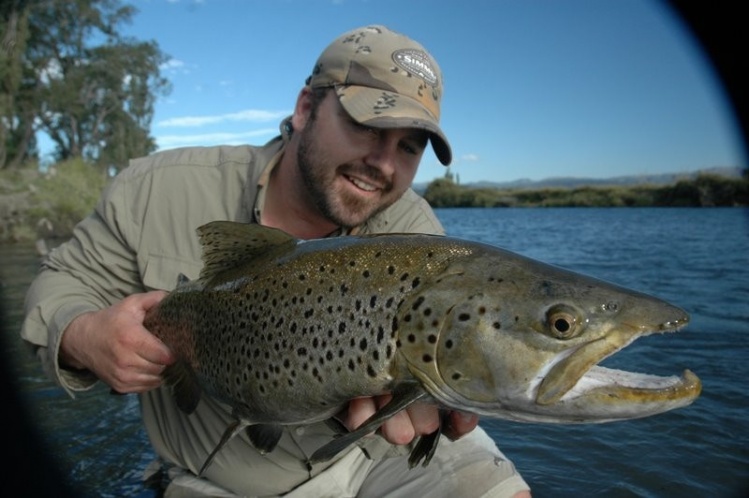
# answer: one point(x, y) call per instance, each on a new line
point(91, 271)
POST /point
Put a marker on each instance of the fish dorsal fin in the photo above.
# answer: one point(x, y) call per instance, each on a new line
point(228, 244)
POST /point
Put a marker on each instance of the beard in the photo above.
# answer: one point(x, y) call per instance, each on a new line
point(334, 202)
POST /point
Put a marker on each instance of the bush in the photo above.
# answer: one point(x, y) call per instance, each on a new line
point(66, 195)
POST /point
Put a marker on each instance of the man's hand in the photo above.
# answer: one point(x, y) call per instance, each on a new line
point(418, 419)
point(113, 344)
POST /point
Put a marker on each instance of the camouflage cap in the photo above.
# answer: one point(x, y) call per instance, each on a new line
point(385, 80)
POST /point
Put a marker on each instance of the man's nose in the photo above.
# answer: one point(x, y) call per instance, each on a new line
point(383, 154)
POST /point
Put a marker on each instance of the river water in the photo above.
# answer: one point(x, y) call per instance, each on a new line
point(697, 259)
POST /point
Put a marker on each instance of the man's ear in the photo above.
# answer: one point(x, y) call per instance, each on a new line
point(302, 109)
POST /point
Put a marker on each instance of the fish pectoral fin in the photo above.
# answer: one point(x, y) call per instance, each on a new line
point(402, 397)
point(231, 431)
point(264, 437)
point(184, 385)
point(427, 445)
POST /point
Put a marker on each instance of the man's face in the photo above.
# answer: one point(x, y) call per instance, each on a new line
point(352, 172)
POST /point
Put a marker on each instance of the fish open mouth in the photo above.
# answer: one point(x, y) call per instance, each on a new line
point(576, 376)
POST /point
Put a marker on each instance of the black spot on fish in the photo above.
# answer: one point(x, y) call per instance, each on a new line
point(497, 325)
point(391, 269)
point(449, 344)
point(415, 283)
point(373, 301)
point(365, 274)
point(380, 334)
point(301, 351)
point(341, 327)
point(371, 371)
point(404, 277)
point(432, 338)
point(363, 344)
point(407, 318)
point(464, 317)
point(376, 355)
point(344, 289)
point(427, 358)
point(482, 310)
point(419, 301)
point(352, 263)
point(351, 365)
point(302, 276)
point(411, 338)
point(389, 302)
point(456, 376)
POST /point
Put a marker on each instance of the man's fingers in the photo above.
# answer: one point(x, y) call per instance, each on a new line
point(459, 424)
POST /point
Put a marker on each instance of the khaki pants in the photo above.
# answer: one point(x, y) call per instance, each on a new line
point(470, 467)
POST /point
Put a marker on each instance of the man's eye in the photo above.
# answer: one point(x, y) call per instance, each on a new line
point(409, 149)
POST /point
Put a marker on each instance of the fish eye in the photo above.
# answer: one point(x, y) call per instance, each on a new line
point(562, 322)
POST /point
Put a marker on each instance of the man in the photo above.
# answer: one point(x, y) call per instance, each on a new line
point(343, 165)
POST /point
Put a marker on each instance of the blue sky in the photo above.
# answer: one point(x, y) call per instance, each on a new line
point(533, 88)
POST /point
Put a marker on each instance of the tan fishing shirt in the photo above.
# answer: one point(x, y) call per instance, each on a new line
point(141, 237)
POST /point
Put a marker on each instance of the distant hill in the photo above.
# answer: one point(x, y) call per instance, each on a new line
point(575, 182)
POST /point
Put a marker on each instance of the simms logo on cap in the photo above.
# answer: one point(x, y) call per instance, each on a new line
point(417, 63)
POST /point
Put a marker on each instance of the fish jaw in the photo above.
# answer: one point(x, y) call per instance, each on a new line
point(484, 356)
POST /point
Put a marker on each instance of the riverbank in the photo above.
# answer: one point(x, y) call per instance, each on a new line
point(705, 190)
point(37, 206)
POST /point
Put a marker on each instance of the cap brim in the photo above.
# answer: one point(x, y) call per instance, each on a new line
point(381, 109)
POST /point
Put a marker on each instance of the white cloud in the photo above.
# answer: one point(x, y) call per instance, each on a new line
point(174, 66)
point(249, 115)
point(224, 138)
point(469, 158)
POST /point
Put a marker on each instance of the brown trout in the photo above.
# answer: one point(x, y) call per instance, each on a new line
point(286, 332)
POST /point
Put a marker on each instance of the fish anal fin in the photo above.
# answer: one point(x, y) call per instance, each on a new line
point(229, 244)
point(402, 397)
point(184, 385)
point(264, 437)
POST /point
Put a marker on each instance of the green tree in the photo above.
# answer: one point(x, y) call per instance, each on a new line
point(91, 90)
point(17, 83)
